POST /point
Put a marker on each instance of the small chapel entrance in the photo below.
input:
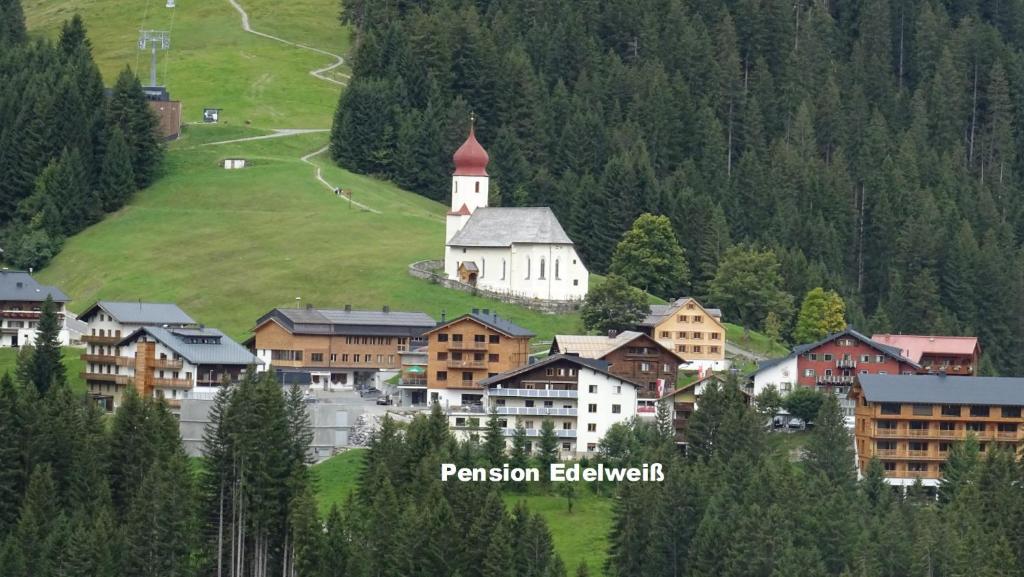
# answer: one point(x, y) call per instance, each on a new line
point(468, 272)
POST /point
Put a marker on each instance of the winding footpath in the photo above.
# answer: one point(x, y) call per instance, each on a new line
point(319, 72)
point(282, 132)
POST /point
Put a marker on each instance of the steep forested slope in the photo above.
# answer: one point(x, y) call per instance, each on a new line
point(874, 145)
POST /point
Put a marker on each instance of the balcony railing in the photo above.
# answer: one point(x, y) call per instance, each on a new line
point(108, 378)
point(912, 474)
point(560, 433)
point(173, 383)
point(25, 315)
point(846, 364)
point(98, 340)
point(683, 407)
point(464, 364)
point(535, 393)
point(100, 359)
point(679, 424)
point(835, 379)
point(167, 363)
point(474, 409)
point(466, 346)
point(413, 383)
point(537, 411)
point(933, 433)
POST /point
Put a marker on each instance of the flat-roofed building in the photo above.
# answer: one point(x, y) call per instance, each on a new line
point(910, 422)
point(337, 347)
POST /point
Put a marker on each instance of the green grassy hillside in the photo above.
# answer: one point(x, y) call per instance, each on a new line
point(212, 62)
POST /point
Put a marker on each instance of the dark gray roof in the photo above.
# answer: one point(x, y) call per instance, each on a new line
point(504, 226)
point(350, 322)
point(595, 364)
point(495, 322)
point(222, 352)
point(17, 285)
point(939, 389)
point(657, 313)
point(139, 313)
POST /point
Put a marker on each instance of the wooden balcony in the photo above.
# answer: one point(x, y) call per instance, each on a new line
point(21, 315)
point(466, 346)
point(679, 424)
point(172, 403)
point(912, 474)
point(173, 364)
point(466, 364)
point(100, 359)
point(104, 377)
point(98, 340)
point(938, 434)
point(683, 407)
point(846, 364)
point(173, 383)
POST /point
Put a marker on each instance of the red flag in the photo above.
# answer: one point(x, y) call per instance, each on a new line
point(661, 387)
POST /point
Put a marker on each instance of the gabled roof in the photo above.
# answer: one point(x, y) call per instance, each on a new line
point(140, 313)
point(658, 313)
point(936, 389)
point(17, 285)
point(890, 351)
point(312, 321)
point(595, 365)
point(490, 320)
point(222, 351)
point(712, 377)
point(915, 346)
point(505, 226)
point(599, 346)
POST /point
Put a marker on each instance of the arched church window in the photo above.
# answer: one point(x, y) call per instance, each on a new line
point(476, 186)
point(556, 270)
point(542, 263)
point(527, 267)
point(502, 269)
point(483, 267)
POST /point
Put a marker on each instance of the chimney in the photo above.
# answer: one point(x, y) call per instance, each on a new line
point(19, 284)
point(348, 308)
point(444, 315)
point(387, 308)
point(613, 333)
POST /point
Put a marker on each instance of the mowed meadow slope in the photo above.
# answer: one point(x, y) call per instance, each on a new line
point(229, 245)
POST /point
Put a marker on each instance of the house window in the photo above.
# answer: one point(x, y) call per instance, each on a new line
point(494, 339)
point(457, 338)
point(467, 376)
point(317, 357)
point(617, 389)
point(592, 408)
point(698, 335)
point(334, 357)
point(566, 426)
point(616, 409)
point(890, 408)
point(889, 466)
point(492, 358)
point(549, 404)
point(683, 318)
point(812, 356)
point(502, 269)
point(716, 336)
point(528, 403)
point(645, 367)
point(1011, 412)
point(591, 447)
point(666, 334)
point(592, 389)
point(698, 318)
point(979, 411)
point(696, 348)
point(442, 338)
point(442, 356)
point(542, 265)
point(566, 446)
point(681, 348)
point(879, 359)
point(922, 410)
point(442, 375)
point(865, 358)
point(808, 372)
point(715, 350)
point(575, 282)
point(826, 357)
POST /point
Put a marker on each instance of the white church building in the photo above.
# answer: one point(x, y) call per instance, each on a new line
point(517, 250)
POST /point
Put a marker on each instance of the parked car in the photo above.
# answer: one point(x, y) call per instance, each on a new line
point(384, 400)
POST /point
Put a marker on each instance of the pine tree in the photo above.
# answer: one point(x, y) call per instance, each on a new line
point(960, 471)
point(494, 441)
point(47, 370)
point(37, 529)
point(129, 111)
point(830, 448)
point(160, 521)
point(547, 450)
point(11, 475)
point(117, 179)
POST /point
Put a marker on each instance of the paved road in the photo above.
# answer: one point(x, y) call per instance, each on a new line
point(319, 72)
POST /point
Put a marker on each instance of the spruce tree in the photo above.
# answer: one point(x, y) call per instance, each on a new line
point(47, 370)
point(129, 111)
point(830, 448)
point(547, 450)
point(494, 441)
point(11, 473)
point(117, 178)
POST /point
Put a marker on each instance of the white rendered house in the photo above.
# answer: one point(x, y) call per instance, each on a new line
point(518, 250)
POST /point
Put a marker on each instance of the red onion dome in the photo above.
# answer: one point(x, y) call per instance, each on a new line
point(471, 159)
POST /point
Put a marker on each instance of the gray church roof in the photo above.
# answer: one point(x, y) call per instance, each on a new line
point(16, 285)
point(199, 346)
point(138, 313)
point(941, 389)
point(505, 226)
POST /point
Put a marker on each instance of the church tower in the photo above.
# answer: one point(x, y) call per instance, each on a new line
point(469, 183)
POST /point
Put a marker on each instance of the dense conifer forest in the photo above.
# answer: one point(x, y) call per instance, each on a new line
point(69, 152)
point(873, 146)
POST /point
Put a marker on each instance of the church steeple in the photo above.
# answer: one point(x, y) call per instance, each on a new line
point(471, 159)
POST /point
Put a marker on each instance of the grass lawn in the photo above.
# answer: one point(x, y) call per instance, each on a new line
point(579, 536)
point(786, 443)
point(755, 342)
point(72, 363)
point(212, 62)
point(336, 478)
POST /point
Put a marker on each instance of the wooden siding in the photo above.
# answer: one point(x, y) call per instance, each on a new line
point(512, 353)
point(272, 336)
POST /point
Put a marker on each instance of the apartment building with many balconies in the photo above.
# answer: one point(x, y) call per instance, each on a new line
point(107, 323)
point(21, 301)
point(578, 395)
point(466, 350)
point(910, 422)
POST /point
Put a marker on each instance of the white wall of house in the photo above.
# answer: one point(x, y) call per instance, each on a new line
point(609, 393)
point(783, 376)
